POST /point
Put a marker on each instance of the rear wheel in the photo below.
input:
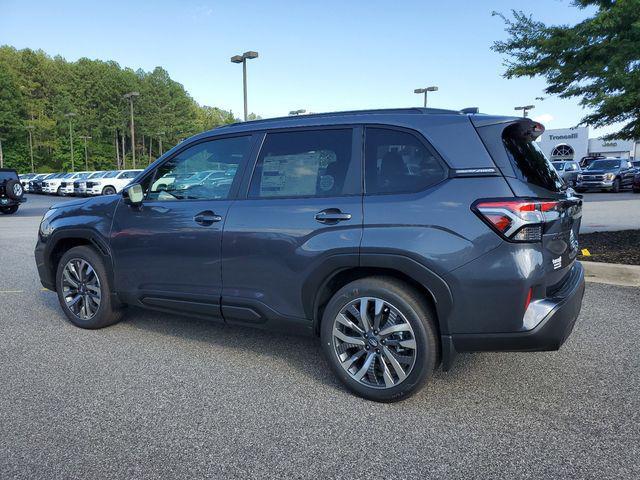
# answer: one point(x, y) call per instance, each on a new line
point(9, 210)
point(83, 289)
point(108, 190)
point(379, 337)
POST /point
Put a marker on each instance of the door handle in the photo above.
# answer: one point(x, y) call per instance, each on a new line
point(332, 215)
point(206, 218)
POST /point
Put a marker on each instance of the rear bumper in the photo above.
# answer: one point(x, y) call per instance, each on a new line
point(549, 334)
point(10, 202)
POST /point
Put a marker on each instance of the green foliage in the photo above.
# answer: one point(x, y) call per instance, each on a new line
point(597, 60)
point(37, 91)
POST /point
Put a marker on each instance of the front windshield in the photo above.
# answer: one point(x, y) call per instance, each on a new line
point(558, 165)
point(97, 175)
point(604, 165)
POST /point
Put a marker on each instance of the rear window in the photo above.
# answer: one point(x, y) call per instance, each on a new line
point(529, 162)
point(8, 175)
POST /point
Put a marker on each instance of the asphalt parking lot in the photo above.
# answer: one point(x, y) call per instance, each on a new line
point(160, 396)
point(610, 211)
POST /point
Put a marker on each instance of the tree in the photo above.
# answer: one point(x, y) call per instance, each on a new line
point(596, 60)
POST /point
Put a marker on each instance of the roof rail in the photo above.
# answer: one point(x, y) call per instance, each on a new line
point(414, 110)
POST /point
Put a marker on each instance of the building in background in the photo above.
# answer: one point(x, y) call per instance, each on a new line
point(575, 144)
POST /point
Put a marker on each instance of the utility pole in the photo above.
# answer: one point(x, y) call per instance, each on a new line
point(1, 157)
point(69, 115)
point(30, 130)
point(243, 60)
point(86, 156)
point(129, 96)
point(425, 90)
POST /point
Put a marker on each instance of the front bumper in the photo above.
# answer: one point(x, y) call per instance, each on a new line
point(549, 334)
point(601, 185)
point(44, 272)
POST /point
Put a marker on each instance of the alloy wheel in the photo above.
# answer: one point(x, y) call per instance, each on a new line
point(374, 342)
point(81, 288)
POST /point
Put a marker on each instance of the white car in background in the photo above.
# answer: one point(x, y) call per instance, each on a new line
point(52, 184)
point(24, 180)
point(66, 185)
point(80, 185)
point(111, 182)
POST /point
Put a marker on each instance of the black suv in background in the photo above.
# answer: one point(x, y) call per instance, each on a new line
point(399, 237)
point(11, 191)
point(608, 174)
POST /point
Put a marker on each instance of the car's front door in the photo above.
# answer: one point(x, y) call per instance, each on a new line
point(301, 219)
point(167, 251)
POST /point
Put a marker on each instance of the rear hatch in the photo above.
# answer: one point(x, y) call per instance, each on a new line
point(532, 178)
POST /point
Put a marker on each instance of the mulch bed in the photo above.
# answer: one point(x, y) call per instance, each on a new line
point(612, 247)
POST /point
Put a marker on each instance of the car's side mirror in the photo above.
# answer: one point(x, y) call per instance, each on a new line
point(133, 195)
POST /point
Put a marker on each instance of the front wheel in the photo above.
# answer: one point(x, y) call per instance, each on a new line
point(616, 186)
point(83, 289)
point(108, 191)
point(379, 337)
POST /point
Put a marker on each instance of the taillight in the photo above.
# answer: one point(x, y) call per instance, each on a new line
point(516, 220)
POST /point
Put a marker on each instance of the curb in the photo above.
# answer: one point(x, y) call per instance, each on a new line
point(612, 273)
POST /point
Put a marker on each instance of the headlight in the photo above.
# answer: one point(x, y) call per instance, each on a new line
point(45, 226)
point(609, 176)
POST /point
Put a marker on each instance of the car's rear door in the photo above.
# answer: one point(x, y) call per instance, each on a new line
point(300, 218)
point(167, 251)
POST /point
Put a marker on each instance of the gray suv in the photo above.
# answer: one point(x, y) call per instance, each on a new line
point(398, 237)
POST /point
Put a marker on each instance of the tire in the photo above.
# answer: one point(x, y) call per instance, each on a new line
point(381, 383)
point(14, 189)
point(59, 192)
point(109, 190)
point(106, 313)
point(616, 186)
point(9, 210)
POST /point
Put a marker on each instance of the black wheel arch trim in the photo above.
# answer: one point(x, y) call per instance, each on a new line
point(338, 263)
point(86, 234)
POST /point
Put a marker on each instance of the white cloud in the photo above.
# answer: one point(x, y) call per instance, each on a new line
point(544, 118)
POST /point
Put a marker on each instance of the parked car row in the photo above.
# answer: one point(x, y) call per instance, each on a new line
point(602, 173)
point(78, 183)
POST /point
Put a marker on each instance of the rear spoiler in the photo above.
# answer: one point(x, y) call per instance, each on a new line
point(525, 126)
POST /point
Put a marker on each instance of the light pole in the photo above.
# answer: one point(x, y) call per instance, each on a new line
point(86, 156)
point(129, 96)
point(69, 115)
point(297, 112)
point(425, 90)
point(525, 109)
point(30, 130)
point(243, 60)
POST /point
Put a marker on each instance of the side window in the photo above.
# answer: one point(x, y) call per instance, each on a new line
point(204, 171)
point(397, 162)
point(312, 163)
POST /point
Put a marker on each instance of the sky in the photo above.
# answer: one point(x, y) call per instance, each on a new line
point(320, 56)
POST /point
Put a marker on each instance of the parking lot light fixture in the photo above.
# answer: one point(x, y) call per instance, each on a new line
point(69, 115)
point(243, 60)
point(424, 91)
point(525, 109)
